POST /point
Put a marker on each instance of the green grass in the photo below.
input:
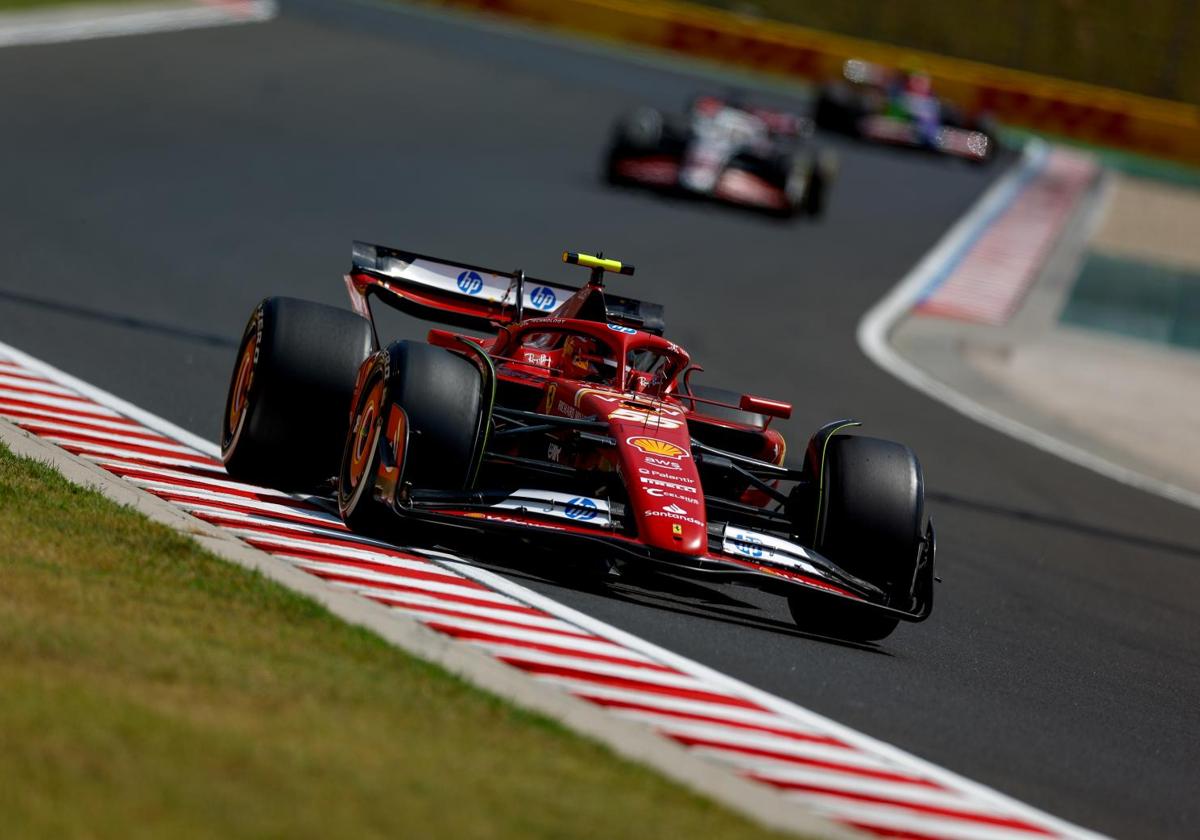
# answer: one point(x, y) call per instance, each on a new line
point(152, 690)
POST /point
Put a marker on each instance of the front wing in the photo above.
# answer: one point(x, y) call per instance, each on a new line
point(735, 554)
point(733, 186)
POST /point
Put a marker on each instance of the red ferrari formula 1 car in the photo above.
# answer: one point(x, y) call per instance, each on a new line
point(575, 424)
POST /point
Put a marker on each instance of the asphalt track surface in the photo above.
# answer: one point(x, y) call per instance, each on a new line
point(154, 188)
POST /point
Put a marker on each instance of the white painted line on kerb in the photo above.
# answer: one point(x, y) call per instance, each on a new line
point(76, 23)
point(876, 326)
point(115, 403)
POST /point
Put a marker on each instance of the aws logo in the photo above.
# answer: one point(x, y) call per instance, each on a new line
point(660, 448)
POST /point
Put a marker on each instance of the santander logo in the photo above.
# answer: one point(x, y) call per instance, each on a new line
point(675, 509)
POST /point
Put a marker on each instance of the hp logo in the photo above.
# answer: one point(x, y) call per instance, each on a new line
point(748, 545)
point(581, 508)
point(541, 297)
point(470, 282)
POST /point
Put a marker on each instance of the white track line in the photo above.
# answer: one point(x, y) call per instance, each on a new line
point(80, 24)
point(877, 324)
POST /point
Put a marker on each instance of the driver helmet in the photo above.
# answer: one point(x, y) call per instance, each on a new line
point(576, 351)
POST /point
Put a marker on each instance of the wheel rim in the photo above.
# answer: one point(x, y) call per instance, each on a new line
point(363, 435)
point(240, 393)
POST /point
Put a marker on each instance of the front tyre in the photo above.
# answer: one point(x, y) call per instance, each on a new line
point(869, 522)
point(373, 457)
point(418, 420)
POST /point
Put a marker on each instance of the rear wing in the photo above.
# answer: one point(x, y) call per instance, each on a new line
point(472, 296)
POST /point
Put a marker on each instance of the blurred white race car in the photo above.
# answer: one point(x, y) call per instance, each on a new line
point(727, 151)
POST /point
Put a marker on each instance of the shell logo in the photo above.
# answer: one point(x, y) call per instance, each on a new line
point(654, 446)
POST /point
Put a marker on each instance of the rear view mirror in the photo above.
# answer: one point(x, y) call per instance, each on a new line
point(762, 405)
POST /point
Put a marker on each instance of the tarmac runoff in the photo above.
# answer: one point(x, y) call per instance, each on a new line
point(1124, 406)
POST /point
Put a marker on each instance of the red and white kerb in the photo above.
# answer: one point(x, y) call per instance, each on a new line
point(832, 770)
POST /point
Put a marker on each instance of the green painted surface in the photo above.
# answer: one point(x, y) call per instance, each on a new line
point(1137, 299)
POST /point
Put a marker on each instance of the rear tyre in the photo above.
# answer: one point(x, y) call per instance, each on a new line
point(838, 108)
point(869, 523)
point(288, 405)
point(442, 401)
point(642, 133)
point(637, 133)
point(641, 130)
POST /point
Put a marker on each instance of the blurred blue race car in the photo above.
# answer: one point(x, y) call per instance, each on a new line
point(899, 108)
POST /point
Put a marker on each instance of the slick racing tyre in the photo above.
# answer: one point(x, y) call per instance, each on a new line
point(869, 523)
point(288, 404)
point(641, 133)
point(824, 170)
point(641, 130)
point(839, 108)
point(813, 202)
point(417, 420)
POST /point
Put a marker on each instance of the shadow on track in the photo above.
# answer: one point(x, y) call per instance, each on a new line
point(650, 590)
point(118, 320)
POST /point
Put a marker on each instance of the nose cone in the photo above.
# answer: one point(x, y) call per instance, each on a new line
point(664, 492)
point(673, 528)
point(654, 451)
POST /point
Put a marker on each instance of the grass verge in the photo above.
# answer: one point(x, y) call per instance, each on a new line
point(151, 690)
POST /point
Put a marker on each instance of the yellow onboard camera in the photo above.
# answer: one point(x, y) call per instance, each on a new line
point(597, 264)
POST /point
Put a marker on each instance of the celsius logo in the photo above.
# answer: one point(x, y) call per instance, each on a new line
point(470, 282)
point(542, 298)
point(581, 508)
